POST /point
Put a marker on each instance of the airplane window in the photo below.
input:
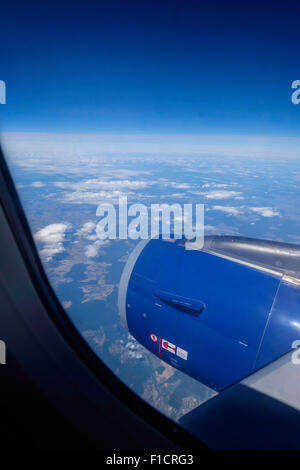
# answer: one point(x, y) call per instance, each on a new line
point(126, 126)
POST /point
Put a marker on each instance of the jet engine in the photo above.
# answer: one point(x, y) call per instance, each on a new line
point(217, 313)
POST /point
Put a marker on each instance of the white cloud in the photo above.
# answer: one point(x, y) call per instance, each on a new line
point(265, 211)
point(214, 185)
point(93, 250)
point(221, 194)
point(52, 236)
point(88, 231)
point(99, 184)
point(90, 197)
point(227, 209)
point(67, 304)
point(37, 184)
point(175, 185)
point(95, 191)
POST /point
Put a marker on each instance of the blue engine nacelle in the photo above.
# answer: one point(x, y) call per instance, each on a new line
point(218, 313)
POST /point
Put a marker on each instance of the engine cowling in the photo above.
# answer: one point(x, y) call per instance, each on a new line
point(217, 313)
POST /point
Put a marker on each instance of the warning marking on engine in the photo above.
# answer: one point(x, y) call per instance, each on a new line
point(176, 350)
point(168, 346)
point(153, 337)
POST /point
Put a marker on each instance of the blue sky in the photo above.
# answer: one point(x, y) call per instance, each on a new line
point(150, 67)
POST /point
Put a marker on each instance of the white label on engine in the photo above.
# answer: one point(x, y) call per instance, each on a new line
point(182, 353)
